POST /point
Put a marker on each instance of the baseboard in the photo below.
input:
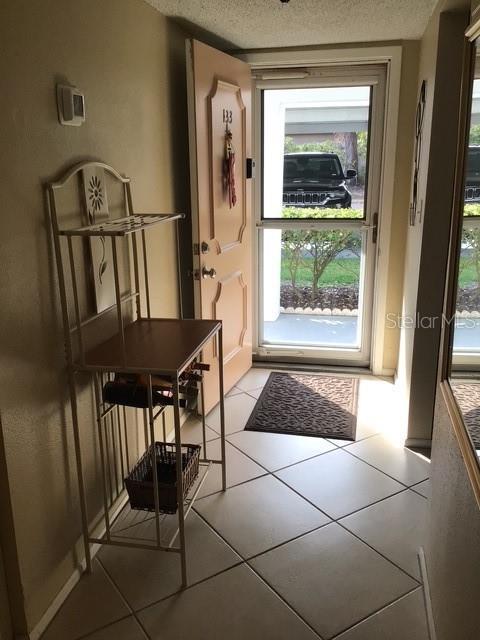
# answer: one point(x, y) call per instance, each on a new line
point(422, 443)
point(63, 594)
point(262, 363)
point(52, 610)
point(426, 594)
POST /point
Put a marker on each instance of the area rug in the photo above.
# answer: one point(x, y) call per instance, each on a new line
point(467, 396)
point(307, 405)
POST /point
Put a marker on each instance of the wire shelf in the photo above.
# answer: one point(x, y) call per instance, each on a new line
point(123, 226)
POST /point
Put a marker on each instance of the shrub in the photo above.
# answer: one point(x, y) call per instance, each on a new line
point(314, 250)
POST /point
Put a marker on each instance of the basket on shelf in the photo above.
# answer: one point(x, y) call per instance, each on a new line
point(139, 483)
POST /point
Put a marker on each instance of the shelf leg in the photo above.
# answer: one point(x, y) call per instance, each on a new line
point(222, 407)
point(103, 460)
point(164, 427)
point(180, 496)
point(202, 400)
point(151, 421)
point(81, 483)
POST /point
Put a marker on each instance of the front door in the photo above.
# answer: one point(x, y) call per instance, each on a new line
point(219, 94)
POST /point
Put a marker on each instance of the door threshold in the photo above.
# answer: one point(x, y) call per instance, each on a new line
point(261, 363)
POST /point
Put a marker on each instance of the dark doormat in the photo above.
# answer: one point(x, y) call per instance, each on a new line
point(307, 405)
point(467, 396)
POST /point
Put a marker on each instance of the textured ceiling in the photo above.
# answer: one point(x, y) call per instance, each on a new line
point(250, 24)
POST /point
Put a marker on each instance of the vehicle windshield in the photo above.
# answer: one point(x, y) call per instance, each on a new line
point(311, 168)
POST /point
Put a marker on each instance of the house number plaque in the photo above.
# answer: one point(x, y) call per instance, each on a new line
point(227, 116)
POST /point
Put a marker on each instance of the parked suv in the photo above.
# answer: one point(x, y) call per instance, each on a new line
point(472, 177)
point(315, 179)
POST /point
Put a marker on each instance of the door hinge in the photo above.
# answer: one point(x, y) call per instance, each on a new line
point(194, 273)
point(250, 168)
point(200, 248)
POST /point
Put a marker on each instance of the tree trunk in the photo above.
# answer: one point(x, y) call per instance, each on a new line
point(349, 143)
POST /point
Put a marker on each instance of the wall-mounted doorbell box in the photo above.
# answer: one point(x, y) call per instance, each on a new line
point(71, 105)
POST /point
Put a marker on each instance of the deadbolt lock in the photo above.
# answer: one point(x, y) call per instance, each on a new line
point(204, 248)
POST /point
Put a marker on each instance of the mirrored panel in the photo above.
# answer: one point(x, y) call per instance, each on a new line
point(465, 344)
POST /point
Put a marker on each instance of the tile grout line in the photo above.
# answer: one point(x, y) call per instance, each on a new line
point(261, 553)
point(316, 455)
point(282, 599)
point(246, 563)
point(420, 482)
point(125, 601)
point(388, 604)
point(354, 455)
point(102, 628)
point(379, 553)
point(337, 446)
point(416, 490)
point(238, 484)
point(273, 474)
point(193, 584)
point(419, 494)
point(331, 519)
point(377, 611)
point(404, 488)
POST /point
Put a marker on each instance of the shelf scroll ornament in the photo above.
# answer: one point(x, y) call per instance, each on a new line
point(97, 211)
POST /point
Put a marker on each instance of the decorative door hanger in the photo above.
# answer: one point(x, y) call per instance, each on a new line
point(229, 161)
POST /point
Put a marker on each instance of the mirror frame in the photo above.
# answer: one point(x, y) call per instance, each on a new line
point(467, 449)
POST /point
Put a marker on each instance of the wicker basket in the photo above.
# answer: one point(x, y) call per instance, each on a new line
point(139, 482)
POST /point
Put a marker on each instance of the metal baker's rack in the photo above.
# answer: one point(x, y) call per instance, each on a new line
point(137, 344)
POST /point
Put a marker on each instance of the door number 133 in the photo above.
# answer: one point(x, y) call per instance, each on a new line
point(227, 116)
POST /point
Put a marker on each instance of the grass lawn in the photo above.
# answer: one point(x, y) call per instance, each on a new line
point(341, 272)
point(467, 276)
point(345, 272)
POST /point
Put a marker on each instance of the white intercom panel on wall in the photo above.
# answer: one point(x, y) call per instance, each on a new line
point(71, 105)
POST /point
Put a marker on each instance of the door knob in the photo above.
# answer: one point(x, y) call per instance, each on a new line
point(208, 273)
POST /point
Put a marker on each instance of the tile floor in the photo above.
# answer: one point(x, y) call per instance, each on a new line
point(312, 539)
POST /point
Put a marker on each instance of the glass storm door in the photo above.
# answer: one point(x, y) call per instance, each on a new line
point(321, 141)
